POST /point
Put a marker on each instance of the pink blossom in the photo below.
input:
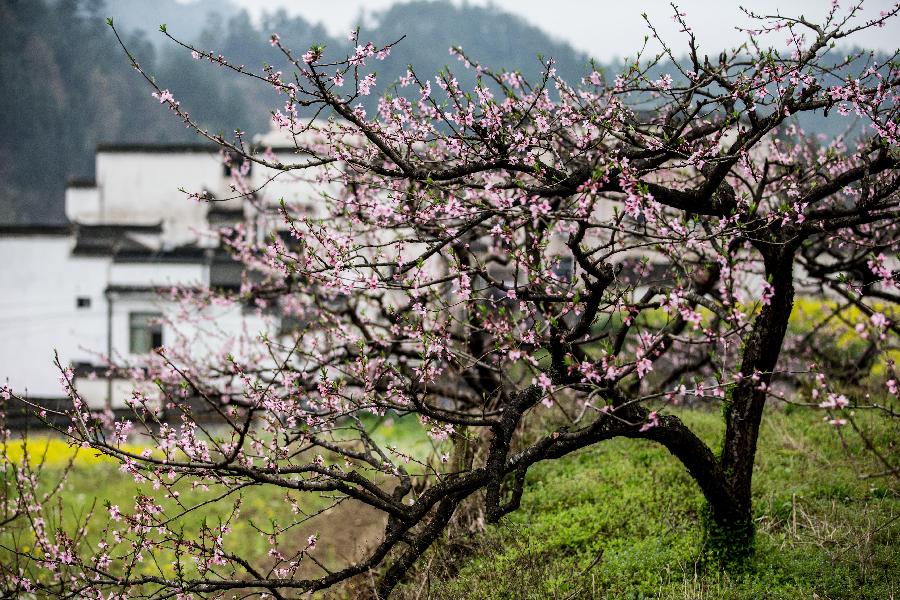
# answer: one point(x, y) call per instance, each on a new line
point(366, 84)
point(644, 365)
point(164, 96)
point(280, 120)
point(834, 401)
point(879, 320)
point(665, 83)
point(463, 286)
point(652, 421)
point(589, 372)
point(544, 381)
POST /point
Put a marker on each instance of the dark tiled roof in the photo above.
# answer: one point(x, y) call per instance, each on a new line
point(180, 254)
point(84, 369)
point(36, 229)
point(135, 289)
point(108, 240)
point(116, 228)
point(156, 148)
point(121, 243)
point(231, 213)
point(162, 148)
point(78, 182)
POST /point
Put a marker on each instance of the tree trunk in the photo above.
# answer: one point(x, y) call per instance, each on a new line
point(730, 529)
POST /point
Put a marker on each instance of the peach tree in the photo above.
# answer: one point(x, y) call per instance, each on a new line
point(525, 268)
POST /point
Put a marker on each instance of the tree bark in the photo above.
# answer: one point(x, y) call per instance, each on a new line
point(731, 528)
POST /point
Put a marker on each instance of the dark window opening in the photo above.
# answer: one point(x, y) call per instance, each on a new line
point(564, 268)
point(83, 302)
point(225, 273)
point(233, 164)
point(144, 332)
point(291, 324)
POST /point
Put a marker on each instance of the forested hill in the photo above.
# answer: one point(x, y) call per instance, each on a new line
point(67, 86)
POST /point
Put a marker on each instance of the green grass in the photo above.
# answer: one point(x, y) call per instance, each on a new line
point(621, 520)
point(96, 481)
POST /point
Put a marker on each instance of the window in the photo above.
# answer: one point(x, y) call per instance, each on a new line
point(83, 302)
point(564, 268)
point(225, 273)
point(235, 163)
point(144, 332)
point(291, 324)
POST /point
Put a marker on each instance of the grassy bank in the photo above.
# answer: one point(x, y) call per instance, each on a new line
point(95, 481)
point(622, 521)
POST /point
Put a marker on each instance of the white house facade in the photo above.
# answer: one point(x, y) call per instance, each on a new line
point(90, 289)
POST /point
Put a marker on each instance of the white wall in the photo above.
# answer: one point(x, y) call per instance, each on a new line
point(163, 274)
point(296, 187)
point(38, 312)
point(143, 187)
point(83, 205)
point(42, 280)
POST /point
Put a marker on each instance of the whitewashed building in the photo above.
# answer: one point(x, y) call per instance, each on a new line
point(90, 289)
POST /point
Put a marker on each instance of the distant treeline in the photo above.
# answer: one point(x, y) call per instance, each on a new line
point(65, 85)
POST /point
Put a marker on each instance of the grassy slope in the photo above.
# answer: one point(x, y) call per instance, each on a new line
point(823, 531)
point(96, 481)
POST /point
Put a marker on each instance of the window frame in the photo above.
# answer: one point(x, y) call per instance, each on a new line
point(147, 324)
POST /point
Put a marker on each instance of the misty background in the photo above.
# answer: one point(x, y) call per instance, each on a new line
point(66, 86)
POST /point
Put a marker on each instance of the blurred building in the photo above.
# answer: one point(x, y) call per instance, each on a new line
point(92, 289)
